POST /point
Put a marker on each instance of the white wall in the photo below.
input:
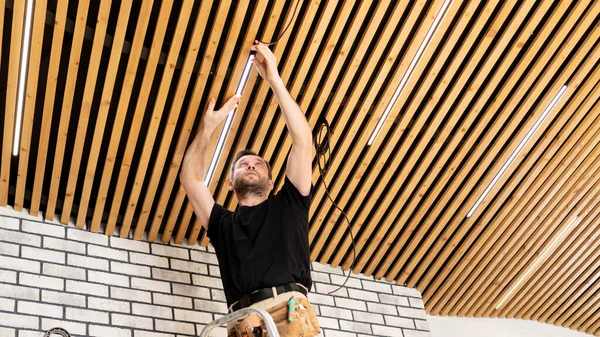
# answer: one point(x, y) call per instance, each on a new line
point(495, 327)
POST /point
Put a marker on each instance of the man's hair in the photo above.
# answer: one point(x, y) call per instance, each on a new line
point(248, 153)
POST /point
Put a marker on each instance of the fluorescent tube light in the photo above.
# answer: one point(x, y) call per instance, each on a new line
point(518, 149)
point(23, 76)
point(409, 71)
point(228, 121)
point(573, 223)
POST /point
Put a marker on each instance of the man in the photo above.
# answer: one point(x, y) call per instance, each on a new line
point(262, 248)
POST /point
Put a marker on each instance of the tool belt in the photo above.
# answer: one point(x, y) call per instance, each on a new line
point(263, 294)
point(303, 322)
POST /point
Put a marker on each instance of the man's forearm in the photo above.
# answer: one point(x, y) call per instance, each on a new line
point(294, 117)
point(194, 160)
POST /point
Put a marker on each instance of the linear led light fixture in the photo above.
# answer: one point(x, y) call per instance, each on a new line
point(228, 121)
point(518, 149)
point(573, 223)
point(409, 71)
point(23, 76)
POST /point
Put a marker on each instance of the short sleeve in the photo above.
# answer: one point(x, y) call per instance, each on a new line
point(290, 195)
point(217, 213)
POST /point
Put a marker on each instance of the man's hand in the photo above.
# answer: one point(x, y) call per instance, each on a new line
point(212, 117)
point(265, 62)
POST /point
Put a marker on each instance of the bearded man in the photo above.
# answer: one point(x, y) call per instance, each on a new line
point(262, 247)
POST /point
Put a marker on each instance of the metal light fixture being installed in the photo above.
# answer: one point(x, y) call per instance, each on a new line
point(409, 71)
point(518, 149)
point(228, 121)
point(23, 76)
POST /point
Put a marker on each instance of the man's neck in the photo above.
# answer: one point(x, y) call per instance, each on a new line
point(251, 200)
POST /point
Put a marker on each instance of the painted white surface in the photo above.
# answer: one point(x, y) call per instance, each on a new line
point(495, 327)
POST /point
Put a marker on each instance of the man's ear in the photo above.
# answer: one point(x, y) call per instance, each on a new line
point(271, 185)
point(230, 185)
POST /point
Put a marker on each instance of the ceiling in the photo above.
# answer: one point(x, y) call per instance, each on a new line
point(114, 90)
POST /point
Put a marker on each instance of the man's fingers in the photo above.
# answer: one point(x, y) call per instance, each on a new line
point(211, 105)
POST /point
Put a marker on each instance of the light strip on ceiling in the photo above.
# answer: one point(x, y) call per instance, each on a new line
point(518, 149)
point(409, 71)
point(573, 223)
point(23, 76)
point(228, 122)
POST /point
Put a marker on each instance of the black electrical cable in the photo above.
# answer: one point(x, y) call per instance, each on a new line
point(322, 140)
point(285, 29)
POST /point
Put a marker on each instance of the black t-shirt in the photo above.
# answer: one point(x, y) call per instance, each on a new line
point(264, 245)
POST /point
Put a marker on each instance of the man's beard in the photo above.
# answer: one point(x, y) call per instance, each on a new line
point(244, 188)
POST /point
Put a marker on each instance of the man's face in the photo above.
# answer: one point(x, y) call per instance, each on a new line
point(251, 176)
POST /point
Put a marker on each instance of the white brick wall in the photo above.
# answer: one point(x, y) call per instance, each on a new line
point(92, 285)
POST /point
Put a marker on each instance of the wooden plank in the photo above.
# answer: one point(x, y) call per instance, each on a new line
point(372, 182)
point(538, 42)
point(124, 99)
point(33, 72)
point(12, 85)
point(52, 80)
point(107, 93)
point(84, 112)
point(174, 111)
point(67, 106)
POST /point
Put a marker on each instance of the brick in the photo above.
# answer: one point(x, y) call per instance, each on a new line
point(382, 308)
point(104, 331)
point(336, 312)
point(379, 287)
point(192, 291)
point(422, 324)
point(87, 262)
point(8, 276)
point(355, 327)
point(8, 332)
point(40, 309)
point(218, 295)
point(210, 306)
point(9, 223)
point(108, 278)
point(380, 330)
point(43, 255)
point(404, 291)
point(210, 248)
point(415, 333)
point(192, 267)
point(19, 264)
point(173, 301)
point(321, 299)
point(351, 283)
point(336, 333)
point(330, 323)
point(85, 236)
point(107, 253)
point(130, 294)
point(22, 214)
point(326, 269)
point(21, 293)
point(416, 303)
point(320, 277)
point(87, 288)
point(129, 269)
point(41, 281)
point(149, 260)
point(72, 327)
point(164, 250)
point(393, 299)
point(160, 286)
point(411, 313)
point(399, 322)
point(63, 298)
point(46, 228)
point(138, 246)
point(325, 289)
point(214, 271)
point(21, 238)
point(206, 281)
point(363, 295)
point(29, 333)
point(9, 249)
point(87, 315)
point(19, 321)
point(204, 257)
point(193, 316)
point(362, 316)
point(108, 305)
point(177, 327)
point(131, 321)
point(151, 310)
point(139, 333)
point(7, 304)
point(169, 275)
point(63, 271)
point(64, 245)
point(350, 304)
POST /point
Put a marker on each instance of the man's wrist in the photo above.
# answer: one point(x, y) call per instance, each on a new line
point(276, 83)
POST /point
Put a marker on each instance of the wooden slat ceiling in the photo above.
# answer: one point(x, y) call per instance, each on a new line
point(114, 90)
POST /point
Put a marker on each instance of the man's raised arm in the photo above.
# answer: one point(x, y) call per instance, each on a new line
point(299, 164)
point(192, 168)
